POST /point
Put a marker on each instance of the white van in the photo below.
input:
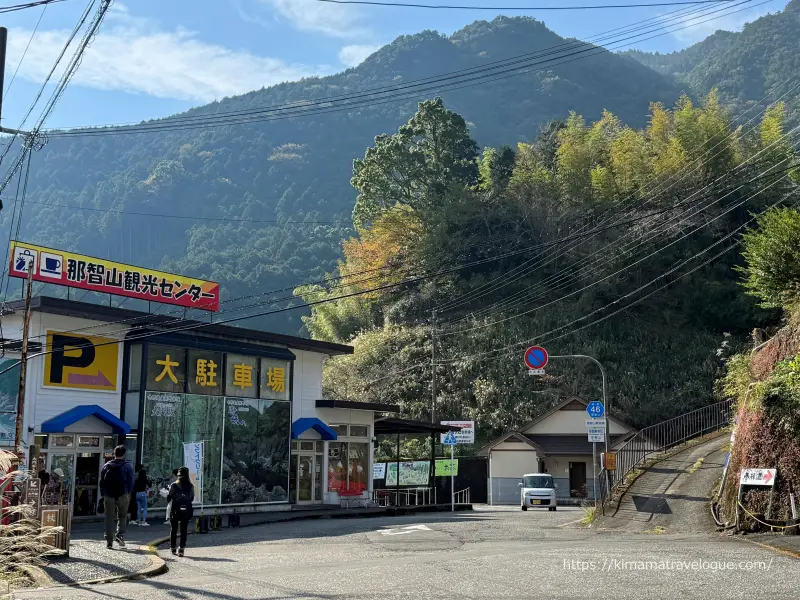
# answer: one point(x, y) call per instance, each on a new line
point(538, 491)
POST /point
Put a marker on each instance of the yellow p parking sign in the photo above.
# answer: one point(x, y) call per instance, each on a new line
point(81, 361)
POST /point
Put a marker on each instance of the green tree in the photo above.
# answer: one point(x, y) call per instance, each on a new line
point(772, 259)
point(426, 163)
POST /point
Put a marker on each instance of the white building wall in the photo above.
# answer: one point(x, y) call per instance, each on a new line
point(43, 403)
point(307, 383)
point(570, 422)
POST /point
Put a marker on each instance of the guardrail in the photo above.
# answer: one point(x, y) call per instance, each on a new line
point(660, 437)
point(420, 496)
point(462, 497)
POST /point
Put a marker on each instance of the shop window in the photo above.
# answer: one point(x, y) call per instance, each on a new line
point(320, 447)
point(307, 446)
point(89, 441)
point(275, 379)
point(348, 464)
point(135, 367)
point(294, 445)
point(357, 466)
point(40, 441)
point(256, 453)
point(61, 441)
point(359, 430)
point(337, 466)
point(241, 376)
point(205, 372)
point(166, 368)
point(341, 430)
point(132, 403)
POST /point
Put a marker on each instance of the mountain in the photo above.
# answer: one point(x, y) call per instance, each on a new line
point(744, 66)
point(299, 168)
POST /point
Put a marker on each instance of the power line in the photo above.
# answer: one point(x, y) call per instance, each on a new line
point(510, 301)
point(510, 8)
point(413, 82)
point(25, 52)
point(190, 217)
point(494, 352)
point(27, 5)
point(316, 107)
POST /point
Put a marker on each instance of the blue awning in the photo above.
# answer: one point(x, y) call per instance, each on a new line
point(306, 423)
point(59, 423)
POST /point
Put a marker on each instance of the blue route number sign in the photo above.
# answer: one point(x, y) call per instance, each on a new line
point(595, 409)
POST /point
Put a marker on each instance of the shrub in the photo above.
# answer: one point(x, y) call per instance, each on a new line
point(772, 259)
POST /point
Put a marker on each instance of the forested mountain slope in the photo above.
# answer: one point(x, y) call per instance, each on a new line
point(761, 60)
point(298, 169)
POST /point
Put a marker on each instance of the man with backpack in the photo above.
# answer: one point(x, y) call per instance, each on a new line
point(180, 497)
point(116, 484)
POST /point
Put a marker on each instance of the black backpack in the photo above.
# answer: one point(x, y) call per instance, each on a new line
point(182, 500)
point(113, 480)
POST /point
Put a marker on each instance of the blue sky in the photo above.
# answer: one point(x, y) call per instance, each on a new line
point(154, 58)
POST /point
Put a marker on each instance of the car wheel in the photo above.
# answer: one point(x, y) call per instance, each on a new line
point(555, 508)
point(524, 508)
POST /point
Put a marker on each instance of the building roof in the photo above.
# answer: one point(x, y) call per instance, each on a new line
point(393, 426)
point(560, 445)
point(352, 405)
point(165, 323)
point(59, 423)
point(572, 403)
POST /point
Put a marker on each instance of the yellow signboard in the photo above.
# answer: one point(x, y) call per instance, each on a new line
point(81, 361)
point(610, 463)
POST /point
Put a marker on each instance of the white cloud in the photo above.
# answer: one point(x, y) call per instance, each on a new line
point(352, 56)
point(130, 54)
point(335, 20)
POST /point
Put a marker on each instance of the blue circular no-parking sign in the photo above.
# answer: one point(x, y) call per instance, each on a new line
point(536, 357)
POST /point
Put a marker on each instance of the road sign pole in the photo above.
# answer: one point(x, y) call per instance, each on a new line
point(605, 398)
point(594, 472)
point(452, 483)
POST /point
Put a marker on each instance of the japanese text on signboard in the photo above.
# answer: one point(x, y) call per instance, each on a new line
point(108, 277)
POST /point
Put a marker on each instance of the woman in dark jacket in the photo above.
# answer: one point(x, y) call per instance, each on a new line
point(181, 496)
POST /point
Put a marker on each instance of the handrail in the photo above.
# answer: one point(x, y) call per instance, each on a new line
point(463, 496)
point(663, 436)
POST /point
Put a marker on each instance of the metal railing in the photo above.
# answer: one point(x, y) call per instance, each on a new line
point(419, 496)
point(462, 497)
point(660, 437)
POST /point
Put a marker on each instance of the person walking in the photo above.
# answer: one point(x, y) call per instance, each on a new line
point(180, 498)
point(141, 487)
point(172, 480)
point(116, 485)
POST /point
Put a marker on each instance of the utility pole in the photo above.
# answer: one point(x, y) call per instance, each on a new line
point(433, 368)
point(23, 365)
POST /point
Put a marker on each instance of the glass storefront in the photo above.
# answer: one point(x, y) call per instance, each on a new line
point(246, 431)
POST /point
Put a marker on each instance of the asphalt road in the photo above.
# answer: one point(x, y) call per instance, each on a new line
point(489, 553)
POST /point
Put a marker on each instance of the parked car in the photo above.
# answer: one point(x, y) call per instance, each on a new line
point(538, 491)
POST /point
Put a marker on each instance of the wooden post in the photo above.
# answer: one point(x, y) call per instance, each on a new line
point(23, 365)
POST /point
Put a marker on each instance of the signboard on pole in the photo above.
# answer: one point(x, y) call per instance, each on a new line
point(536, 358)
point(610, 461)
point(445, 467)
point(595, 423)
point(597, 434)
point(465, 436)
point(193, 458)
point(758, 477)
point(108, 277)
point(449, 439)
